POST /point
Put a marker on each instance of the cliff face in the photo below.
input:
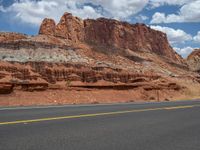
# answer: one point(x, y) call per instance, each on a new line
point(193, 60)
point(136, 37)
point(33, 76)
point(111, 33)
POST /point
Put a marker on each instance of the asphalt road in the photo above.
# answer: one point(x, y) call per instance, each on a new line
point(147, 126)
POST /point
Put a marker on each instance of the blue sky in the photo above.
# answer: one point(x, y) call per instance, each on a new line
point(179, 19)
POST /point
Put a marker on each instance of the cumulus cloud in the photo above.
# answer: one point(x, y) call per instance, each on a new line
point(141, 18)
point(33, 11)
point(189, 12)
point(197, 37)
point(174, 36)
point(158, 3)
point(184, 51)
point(120, 8)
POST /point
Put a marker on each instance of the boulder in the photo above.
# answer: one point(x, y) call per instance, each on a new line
point(193, 60)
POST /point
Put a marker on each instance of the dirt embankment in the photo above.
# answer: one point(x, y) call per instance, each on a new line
point(58, 97)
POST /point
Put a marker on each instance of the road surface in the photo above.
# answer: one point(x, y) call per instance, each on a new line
point(142, 126)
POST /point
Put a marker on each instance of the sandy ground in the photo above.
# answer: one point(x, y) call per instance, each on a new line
point(59, 97)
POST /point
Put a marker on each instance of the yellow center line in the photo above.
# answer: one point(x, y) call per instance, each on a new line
point(179, 107)
point(96, 114)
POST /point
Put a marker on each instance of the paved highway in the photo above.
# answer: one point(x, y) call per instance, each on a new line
point(142, 126)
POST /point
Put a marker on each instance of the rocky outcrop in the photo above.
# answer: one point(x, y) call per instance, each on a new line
point(70, 27)
point(6, 88)
point(10, 36)
point(193, 60)
point(18, 76)
point(37, 76)
point(26, 44)
point(56, 72)
point(48, 27)
point(111, 33)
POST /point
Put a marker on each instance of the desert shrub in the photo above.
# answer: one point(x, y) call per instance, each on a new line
point(68, 83)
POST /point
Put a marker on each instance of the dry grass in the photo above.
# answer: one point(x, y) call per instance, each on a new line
point(192, 90)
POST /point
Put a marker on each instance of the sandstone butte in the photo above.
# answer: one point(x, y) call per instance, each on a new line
point(93, 61)
point(110, 33)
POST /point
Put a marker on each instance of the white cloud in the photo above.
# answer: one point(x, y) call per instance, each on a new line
point(197, 37)
point(158, 17)
point(120, 8)
point(158, 3)
point(174, 36)
point(32, 11)
point(141, 18)
point(184, 51)
point(1, 8)
point(189, 12)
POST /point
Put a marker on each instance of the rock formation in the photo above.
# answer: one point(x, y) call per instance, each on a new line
point(6, 88)
point(112, 33)
point(70, 28)
point(102, 54)
point(193, 60)
point(48, 27)
point(36, 76)
point(6, 37)
point(122, 35)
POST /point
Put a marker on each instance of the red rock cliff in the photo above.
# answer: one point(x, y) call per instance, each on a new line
point(70, 27)
point(111, 33)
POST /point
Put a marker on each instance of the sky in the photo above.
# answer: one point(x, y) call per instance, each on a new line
point(179, 19)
